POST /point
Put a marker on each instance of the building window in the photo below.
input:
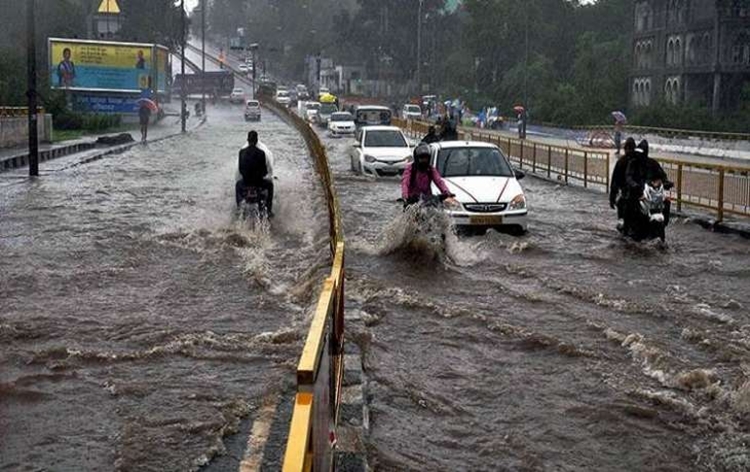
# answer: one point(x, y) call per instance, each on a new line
point(670, 51)
point(647, 90)
point(677, 52)
point(643, 17)
point(741, 49)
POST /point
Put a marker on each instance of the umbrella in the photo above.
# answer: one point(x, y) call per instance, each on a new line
point(327, 98)
point(619, 117)
point(519, 109)
point(150, 104)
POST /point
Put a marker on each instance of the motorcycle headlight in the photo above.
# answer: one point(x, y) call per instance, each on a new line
point(370, 159)
point(518, 203)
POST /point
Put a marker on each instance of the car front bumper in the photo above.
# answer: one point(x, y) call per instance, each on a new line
point(341, 132)
point(385, 168)
point(505, 218)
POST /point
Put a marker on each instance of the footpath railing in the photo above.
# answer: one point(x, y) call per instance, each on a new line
point(17, 111)
point(723, 189)
point(320, 369)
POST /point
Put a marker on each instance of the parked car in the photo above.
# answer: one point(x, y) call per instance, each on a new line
point(485, 184)
point(325, 112)
point(237, 96)
point(311, 111)
point(341, 123)
point(252, 110)
point(411, 112)
point(369, 115)
point(283, 97)
point(380, 150)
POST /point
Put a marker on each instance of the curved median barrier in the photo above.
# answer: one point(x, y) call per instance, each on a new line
point(723, 189)
point(320, 369)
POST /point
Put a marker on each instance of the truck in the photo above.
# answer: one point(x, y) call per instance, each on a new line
point(219, 83)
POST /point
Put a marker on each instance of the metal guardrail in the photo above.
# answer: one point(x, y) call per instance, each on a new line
point(665, 132)
point(720, 188)
point(321, 366)
point(18, 111)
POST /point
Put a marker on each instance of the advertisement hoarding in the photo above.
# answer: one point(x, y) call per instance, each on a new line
point(106, 66)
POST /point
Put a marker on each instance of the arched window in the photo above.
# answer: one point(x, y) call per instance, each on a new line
point(670, 52)
point(677, 51)
point(635, 93)
point(647, 92)
point(638, 55)
point(707, 54)
point(690, 51)
point(741, 49)
point(643, 16)
point(650, 53)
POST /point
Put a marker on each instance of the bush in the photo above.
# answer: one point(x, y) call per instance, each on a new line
point(91, 122)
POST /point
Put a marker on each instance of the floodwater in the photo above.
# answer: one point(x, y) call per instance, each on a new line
point(566, 349)
point(139, 321)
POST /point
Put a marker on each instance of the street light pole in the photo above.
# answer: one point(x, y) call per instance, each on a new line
point(31, 57)
point(183, 105)
point(419, 48)
point(203, 51)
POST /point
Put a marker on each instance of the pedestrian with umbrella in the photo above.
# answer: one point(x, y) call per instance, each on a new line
point(620, 120)
point(521, 112)
point(145, 107)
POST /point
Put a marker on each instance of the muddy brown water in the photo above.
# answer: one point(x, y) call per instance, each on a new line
point(566, 349)
point(139, 320)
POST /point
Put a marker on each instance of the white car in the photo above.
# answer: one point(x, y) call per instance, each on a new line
point(283, 97)
point(311, 111)
point(237, 96)
point(485, 184)
point(341, 123)
point(244, 68)
point(411, 112)
point(380, 150)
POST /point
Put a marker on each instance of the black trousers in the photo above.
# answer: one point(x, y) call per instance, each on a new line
point(240, 189)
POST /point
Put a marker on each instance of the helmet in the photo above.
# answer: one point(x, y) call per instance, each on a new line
point(422, 150)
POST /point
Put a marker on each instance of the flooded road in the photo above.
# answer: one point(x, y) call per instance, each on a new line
point(566, 349)
point(139, 321)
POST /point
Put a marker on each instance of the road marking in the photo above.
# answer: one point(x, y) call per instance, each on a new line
point(256, 443)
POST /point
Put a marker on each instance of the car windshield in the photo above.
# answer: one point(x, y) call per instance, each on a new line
point(385, 138)
point(282, 94)
point(342, 117)
point(464, 162)
point(328, 108)
point(413, 109)
point(313, 106)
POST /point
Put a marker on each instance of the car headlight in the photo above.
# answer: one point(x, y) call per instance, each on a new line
point(518, 203)
point(454, 205)
point(370, 159)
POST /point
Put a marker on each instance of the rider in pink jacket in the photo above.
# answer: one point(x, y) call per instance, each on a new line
point(418, 177)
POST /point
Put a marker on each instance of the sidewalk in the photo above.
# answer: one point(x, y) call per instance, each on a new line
point(573, 144)
point(15, 158)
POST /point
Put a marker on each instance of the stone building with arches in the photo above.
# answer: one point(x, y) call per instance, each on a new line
point(693, 52)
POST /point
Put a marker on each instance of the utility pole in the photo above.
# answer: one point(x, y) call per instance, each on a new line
point(419, 49)
point(183, 105)
point(203, 51)
point(31, 57)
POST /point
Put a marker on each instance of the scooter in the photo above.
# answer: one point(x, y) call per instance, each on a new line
point(650, 218)
point(253, 205)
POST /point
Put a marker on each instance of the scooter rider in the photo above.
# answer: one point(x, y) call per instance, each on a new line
point(431, 136)
point(642, 169)
point(618, 188)
point(418, 177)
point(255, 168)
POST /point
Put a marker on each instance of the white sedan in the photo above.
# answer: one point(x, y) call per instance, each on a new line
point(341, 123)
point(283, 97)
point(237, 96)
point(311, 111)
point(487, 190)
point(380, 150)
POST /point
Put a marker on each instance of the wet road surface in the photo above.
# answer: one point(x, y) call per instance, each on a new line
point(566, 349)
point(139, 321)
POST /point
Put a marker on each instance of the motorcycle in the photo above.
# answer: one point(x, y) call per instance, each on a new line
point(649, 219)
point(254, 205)
point(430, 220)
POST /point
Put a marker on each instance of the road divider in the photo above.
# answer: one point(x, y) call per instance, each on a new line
point(722, 189)
point(312, 433)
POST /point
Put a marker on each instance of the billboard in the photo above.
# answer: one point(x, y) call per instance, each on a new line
point(106, 65)
point(94, 103)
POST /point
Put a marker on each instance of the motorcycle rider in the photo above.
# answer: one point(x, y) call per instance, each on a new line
point(418, 177)
point(449, 130)
point(256, 170)
point(641, 170)
point(618, 188)
point(431, 136)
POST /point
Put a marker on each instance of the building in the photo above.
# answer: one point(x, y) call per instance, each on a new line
point(693, 52)
point(106, 23)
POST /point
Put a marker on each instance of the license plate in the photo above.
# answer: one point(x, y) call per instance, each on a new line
point(486, 220)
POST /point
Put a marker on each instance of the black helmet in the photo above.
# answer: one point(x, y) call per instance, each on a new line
point(643, 146)
point(422, 150)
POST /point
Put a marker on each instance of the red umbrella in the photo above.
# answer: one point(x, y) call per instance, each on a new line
point(150, 104)
point(519, 109)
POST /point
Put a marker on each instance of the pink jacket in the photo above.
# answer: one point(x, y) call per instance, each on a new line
point(422, 183)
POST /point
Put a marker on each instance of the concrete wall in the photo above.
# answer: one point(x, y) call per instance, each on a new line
point(14, 131)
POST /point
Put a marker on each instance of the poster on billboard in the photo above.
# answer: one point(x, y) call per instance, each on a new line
point(105, 65)
point(163, 72)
